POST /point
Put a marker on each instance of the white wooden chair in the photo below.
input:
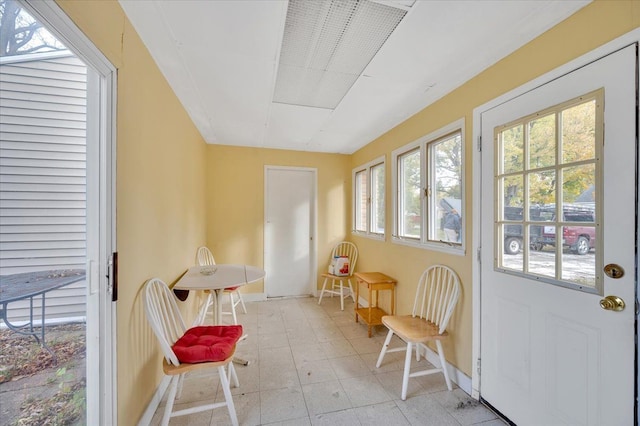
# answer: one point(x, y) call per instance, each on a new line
point(436, 297)
point(205, 258)
point(349, 250)
point(167, 324)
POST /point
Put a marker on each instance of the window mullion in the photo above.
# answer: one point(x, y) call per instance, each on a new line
point(365, 198)
point(424, 182)
point(428, 181)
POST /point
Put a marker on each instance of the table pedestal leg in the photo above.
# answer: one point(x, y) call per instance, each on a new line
point(218, 318)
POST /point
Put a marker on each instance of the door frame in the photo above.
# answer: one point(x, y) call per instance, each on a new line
point(314, 223)
point(610, 47)
point(101, 192)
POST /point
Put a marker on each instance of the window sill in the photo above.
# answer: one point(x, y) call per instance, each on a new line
point(457, 249)
point(377, 237)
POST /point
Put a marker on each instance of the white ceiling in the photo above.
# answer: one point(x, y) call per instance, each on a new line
point(221, 59)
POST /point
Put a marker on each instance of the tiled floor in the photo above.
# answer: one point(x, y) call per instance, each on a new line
point(313, 365)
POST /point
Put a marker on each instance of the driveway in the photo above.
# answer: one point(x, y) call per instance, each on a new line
point(575, 268)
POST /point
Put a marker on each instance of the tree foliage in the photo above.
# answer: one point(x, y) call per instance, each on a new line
point(443, 177)
point(411, 192)
point(448, 168)
point(574, 144)
point(21, 34)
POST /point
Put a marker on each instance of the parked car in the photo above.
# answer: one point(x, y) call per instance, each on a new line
point(580, 239)
point(513, 233)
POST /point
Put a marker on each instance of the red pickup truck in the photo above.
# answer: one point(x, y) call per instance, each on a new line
point(578, 238)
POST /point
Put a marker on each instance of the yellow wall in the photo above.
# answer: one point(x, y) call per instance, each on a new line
point(160, 192)
point(235, 202)
point(586, 30)
point(172, 189)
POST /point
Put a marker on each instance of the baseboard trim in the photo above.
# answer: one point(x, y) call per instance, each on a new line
point(254, 297)
point(458, 377)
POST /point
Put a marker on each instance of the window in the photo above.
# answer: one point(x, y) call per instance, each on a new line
point(368, 199)
point(548, 165)
point(428, 192)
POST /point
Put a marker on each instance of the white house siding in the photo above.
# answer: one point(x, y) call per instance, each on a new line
point(43, 175)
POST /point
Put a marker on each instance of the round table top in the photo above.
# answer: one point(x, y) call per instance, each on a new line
point(216, 277)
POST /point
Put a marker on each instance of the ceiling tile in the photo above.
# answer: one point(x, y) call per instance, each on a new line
point(221, 58)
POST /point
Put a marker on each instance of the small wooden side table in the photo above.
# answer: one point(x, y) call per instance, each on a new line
point(375, 281)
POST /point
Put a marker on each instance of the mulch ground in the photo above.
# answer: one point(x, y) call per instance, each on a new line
point(21, 358)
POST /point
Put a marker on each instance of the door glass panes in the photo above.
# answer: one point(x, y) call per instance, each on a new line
point(409, 195)
point(512, 149)
point(511, 231)
point(578, 185)
point(578, 264)
point(361, 201)
point(512, 190)
point(377, 199)
point(542, 142)
point(546, 216)
point(541, 262)
point(578, 132)
point(47, 231)
point(542, 188)
point(511, 234)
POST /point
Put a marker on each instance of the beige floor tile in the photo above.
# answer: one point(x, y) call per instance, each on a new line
point(337, 418)
point(325, 397)
point(313, 364)
point(278, 378)
point(349, 366)
point(307, 352)
point(338, 348)
point(316, 371)
point(365, 390)
point(282, 404)
point(383, 414)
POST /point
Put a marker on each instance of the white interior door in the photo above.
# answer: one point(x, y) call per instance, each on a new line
point(289, 229)
point(563, 155)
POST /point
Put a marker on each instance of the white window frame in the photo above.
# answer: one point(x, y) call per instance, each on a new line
point(426, 176)
point(367, 168)
point(101, 183)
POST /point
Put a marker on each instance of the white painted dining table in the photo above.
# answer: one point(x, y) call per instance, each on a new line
point(218, 277)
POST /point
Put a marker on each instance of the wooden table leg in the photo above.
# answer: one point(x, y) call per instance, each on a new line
point(357, 299)
point(370, 307)
point(393, 301)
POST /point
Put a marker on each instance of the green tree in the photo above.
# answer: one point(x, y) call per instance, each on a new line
point(448, 161)
point(577, 124)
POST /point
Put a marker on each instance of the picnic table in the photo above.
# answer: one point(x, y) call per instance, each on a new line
point(28, 285)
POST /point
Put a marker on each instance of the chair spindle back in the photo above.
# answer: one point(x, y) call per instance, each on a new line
point(164, 317)
point(348, 249)
point(204, 257)
point(436, 296)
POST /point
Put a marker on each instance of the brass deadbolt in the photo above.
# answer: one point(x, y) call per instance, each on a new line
point(614, 271)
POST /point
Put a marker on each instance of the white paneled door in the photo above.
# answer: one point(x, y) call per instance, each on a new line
point(289, 249)
point(559, 174)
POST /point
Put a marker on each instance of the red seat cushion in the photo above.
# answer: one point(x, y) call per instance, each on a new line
point(207, 343)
